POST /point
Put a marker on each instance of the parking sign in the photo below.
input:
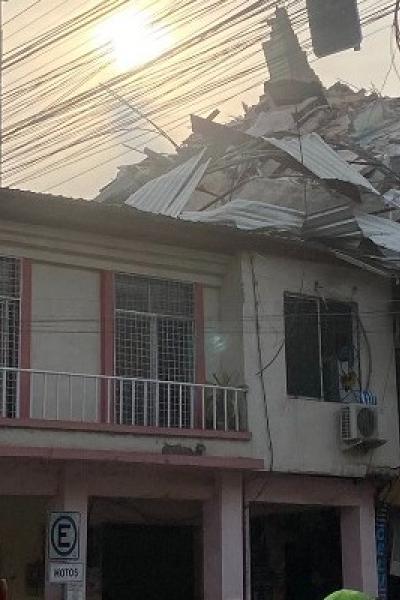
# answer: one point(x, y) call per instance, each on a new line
point(63, 536)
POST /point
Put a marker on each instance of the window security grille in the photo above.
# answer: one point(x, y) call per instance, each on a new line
point(9, 333)
point(154, 340)
point(322, 349)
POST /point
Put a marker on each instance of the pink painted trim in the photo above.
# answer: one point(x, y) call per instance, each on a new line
point(210, 462)
point(107, 335)
point(200, 374)
point(26, 328)
point(242, 436)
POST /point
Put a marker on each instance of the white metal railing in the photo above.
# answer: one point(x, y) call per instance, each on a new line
point(84, 398)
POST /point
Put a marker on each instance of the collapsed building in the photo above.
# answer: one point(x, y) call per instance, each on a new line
point(308, 163)
point(198, 368)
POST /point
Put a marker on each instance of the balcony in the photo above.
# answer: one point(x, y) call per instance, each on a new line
point(104, 402)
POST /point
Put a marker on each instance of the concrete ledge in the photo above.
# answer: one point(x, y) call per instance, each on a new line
point(82, 454)
point(134, 429)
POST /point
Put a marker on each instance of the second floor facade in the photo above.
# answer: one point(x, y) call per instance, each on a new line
point(128, 334)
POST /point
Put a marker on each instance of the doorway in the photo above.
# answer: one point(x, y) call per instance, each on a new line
point(295, 553)
point(148, 562)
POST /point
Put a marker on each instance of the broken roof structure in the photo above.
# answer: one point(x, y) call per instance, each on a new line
point(168, 194)
point(292, 80)
point(306, 163)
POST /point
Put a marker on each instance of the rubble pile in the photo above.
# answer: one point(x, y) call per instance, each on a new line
point(321, 165)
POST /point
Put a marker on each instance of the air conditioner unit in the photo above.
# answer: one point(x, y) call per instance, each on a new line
point(360, 427)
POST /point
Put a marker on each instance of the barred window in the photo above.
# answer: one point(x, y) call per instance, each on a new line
point(9, 333)
point(154, 340)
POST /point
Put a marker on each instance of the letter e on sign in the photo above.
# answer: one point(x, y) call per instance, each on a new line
point(63, 535)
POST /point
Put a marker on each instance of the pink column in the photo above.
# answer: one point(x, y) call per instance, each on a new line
point(359, 547)
point(223, 540)
point(72, 497)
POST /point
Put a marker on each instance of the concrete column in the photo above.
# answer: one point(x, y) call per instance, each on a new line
point(72, 497)
point(223, 540)
point(359, 547)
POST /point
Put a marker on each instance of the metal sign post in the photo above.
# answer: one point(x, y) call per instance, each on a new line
point(74, 591)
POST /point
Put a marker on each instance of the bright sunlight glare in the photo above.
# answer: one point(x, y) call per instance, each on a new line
point(133, 37)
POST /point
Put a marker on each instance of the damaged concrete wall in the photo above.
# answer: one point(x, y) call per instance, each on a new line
point(305, 432)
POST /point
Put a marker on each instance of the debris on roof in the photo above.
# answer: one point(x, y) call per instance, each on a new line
point(291, 77)
point(332, 224)
point(392, 198)
point(382, 232)
point(248, 215)
point(312, 152)
point(346, 230)
point(169, 193)
point(304, 162)
point(273, 122)
point(131, 177)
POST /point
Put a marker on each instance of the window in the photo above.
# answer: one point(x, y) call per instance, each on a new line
point(321, 340)
point(9, 333)
point(154, 340)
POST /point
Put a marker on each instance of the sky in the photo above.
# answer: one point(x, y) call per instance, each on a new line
point(95, 163)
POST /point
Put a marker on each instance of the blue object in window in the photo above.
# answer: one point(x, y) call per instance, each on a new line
point(367, 397)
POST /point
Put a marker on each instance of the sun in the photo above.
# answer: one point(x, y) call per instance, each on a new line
point(134, 39)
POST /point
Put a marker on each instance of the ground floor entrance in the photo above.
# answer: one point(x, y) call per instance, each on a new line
point(167, 533)
point(295, 552)
point(144, 549)
point(148, 561)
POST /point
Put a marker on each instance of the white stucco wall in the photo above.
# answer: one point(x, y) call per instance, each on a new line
point(232, 324)
point(212, 354)
point(305, 433)
point(65, 337)
point(223, 338)
point(65, 319)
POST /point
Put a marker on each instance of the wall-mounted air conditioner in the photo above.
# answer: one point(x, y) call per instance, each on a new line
point(360, 427)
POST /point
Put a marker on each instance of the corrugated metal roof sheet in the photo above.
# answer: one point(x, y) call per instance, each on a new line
point(313, 153)
point(341, 230)
point(341, 223)
point(271, 122)
point(332, 223)
point(250, 215)
point(169, 193)
point(382, 232)
point(392, 198)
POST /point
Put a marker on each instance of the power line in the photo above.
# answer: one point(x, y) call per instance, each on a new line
point(22, 12)
point(151, 87)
